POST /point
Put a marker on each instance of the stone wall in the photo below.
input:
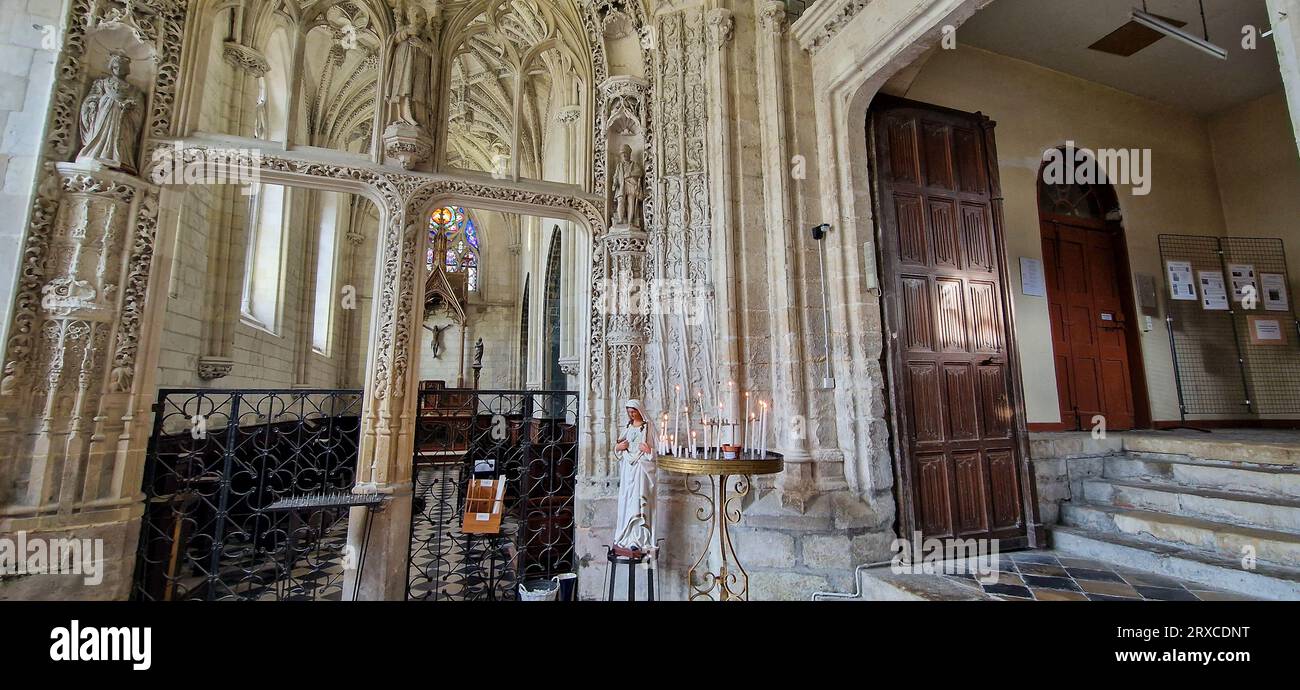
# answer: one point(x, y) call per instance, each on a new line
point(29, 32)
point(262, 359)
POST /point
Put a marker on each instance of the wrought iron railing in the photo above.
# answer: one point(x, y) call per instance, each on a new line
point(529, 438)
point(218, 461)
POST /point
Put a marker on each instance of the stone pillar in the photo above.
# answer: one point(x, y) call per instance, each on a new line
point(229, 236)
point(68, 374)
point(784, 277)
point(721, 26)
point(77, 367)
point(388, 421)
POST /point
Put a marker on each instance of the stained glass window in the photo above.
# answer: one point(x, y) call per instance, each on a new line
point(452, 228)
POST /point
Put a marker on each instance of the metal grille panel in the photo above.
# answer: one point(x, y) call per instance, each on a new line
point(216, 462)
point(527, 437)
point(1219, 371)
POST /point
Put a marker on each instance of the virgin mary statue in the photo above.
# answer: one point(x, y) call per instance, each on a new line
point(634, 533)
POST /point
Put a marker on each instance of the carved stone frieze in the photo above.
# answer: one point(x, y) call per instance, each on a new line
point(244, 58)
point(213, 368)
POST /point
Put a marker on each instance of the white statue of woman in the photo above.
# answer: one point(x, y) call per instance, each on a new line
point(111, 117)
point(408, 91)
point(634, 532)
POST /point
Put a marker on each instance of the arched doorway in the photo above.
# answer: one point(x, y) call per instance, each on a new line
point(1096, 342)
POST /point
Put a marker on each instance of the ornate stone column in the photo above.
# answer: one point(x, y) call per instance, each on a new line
point(721, 25)
point(388, 426)
point(784, 274)
point(71, 434)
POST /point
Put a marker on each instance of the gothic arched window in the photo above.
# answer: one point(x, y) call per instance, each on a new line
point(453, 230)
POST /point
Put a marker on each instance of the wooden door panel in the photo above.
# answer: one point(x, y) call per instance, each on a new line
point(934, 490)
point(951, 315)
point(985, 321)
point(911, 229)
point(927, 404)
point(972, 503)
point(975, 233)
point(959, 400)
point(995, 404)
point(1005, 490)
point(959, 428)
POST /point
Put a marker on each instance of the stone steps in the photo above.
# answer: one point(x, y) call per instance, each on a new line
point(1250, 479)
point(1218, 538)
point(1216, 572)
point(1263, 511)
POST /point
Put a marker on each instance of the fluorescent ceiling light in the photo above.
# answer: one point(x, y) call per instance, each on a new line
point(1156, 24)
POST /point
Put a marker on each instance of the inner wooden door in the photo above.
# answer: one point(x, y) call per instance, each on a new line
point(1090, 324)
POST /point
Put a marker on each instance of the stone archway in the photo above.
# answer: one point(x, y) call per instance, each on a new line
point(855, 47)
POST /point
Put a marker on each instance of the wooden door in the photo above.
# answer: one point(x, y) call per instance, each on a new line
point(954, 376)
point(1090, 323)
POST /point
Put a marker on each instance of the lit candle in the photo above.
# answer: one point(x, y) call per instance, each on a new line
point(677, 414)
point(745, 439)
point(707, 436)
point(762, 431)
point(692, 443)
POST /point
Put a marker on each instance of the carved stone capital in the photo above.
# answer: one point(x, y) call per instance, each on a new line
point(571, 366)
point(409, 145)
point(772, 17)
point(821, 22)
point(247, 59)
point(213, 368)
point(722, 27)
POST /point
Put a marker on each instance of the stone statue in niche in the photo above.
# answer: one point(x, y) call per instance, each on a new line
point(628, 179)
point(111, 117)
point(408, 95)
point(634, 531)
point(478, 354)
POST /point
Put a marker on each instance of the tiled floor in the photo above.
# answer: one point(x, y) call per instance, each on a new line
point(1044, 576)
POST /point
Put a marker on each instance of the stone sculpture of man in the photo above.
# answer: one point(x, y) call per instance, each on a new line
point(111, 117)
point(408, 76)
point(628, 193)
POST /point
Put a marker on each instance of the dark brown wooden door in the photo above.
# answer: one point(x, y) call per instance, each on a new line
point(954, 378)
point(1089, 324)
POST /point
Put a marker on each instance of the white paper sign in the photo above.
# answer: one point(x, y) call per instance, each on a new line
point(1181, 285)
point(1214, 292)
point(1033, 282)
point(1275, 297)
point(1242, 275)
point(1268, 330)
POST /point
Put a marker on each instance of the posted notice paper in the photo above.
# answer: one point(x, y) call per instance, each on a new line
point(1242, 275)
point(1214, 291)
point(1275, 297)
point(1181, 284)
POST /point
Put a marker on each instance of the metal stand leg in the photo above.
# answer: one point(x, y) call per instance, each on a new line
point(631, 582)
point(650, 583)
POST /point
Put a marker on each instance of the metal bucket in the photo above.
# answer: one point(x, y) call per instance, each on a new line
point(538, 590)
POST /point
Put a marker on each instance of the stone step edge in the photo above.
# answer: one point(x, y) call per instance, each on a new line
point(1267, 581)
point(1190, 522)
point(1270, 500)
point(1185, 459)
